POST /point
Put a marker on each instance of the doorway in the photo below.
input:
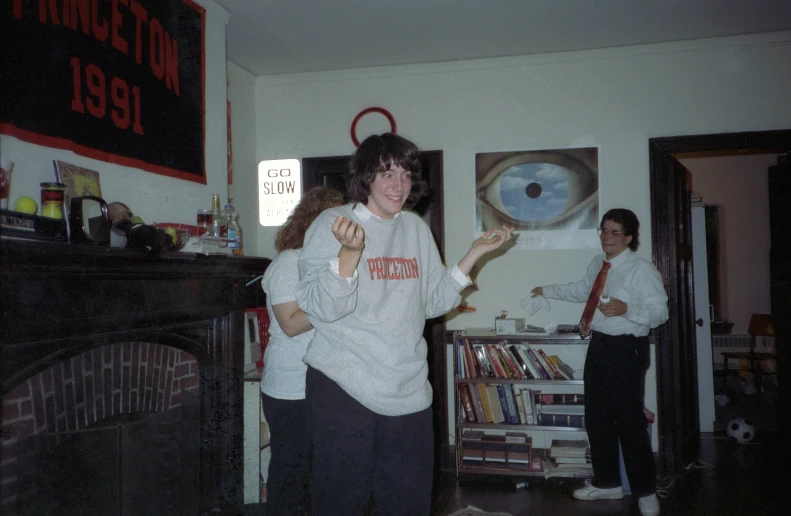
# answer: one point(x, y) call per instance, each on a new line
point(733, 204)
point(670, 221)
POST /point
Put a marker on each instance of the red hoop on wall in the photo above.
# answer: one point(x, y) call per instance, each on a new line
point(364, 112)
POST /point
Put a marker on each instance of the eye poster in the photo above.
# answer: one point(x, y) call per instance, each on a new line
point(551, 197)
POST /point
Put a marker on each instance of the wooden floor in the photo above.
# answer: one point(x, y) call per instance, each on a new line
point(730, 479)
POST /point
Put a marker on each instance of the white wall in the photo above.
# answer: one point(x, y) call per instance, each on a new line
point(154, 197)
point(241, 94)
point(739, 186)
point(615, 99)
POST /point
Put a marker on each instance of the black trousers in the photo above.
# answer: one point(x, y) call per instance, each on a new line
point(615, 369)
point(289, 441)
point(357, 453)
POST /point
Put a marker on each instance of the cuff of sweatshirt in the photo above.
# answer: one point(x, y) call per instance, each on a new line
point(336, 268)
point(459, 276)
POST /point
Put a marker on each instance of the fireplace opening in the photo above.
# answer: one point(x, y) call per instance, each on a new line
point(111, 431)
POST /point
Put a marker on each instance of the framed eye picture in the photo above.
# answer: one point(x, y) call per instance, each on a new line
point(77, 181)
point(550, 197)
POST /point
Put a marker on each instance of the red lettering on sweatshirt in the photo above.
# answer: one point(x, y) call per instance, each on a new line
point(392, 268)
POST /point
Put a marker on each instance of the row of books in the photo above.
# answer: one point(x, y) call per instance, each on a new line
point(501, 360)
point(519, 405)
point(570, 454)
point(514, 450)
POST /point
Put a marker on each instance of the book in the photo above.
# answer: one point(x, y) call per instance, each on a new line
point(497, 409)
point(552, 408)
point(570, 460)
point(466, 403)
point(520, 361)
point(565, 370)
point(503, 404)
point(477, 404)
point(473, 435)
point(540, 368)
point(495, 360)
point(548, 365)
point(527, 399)
point(484, 397)
point(578, 467)
point(529, 363)
point(472, 450)
point(520, 407)
point(515, 437)
point(483, 358)
point(535, 398)
point(562, 420)
point(470, 364)
point(510, 405)
point(509, 360)
point(563, 399)
point(459, 361)
point(569, 448)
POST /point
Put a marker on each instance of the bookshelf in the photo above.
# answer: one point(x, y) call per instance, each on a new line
point(507, 413)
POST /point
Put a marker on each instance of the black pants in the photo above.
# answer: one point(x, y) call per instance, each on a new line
point(289, 441)
point(357, 452)
point(615, 370)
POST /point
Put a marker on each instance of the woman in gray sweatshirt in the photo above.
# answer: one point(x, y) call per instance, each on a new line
point(370, 276)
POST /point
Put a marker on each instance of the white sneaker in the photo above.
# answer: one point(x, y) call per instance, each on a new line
point(649, 505)
point(594, 493)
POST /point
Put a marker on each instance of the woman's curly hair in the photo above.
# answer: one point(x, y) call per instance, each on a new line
point(291, 235)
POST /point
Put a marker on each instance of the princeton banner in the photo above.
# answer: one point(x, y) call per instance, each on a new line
point(120, 81)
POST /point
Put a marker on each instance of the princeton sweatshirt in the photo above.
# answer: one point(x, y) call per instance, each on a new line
point(369, 328)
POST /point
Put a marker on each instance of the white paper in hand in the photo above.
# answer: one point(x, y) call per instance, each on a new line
point(532, 305)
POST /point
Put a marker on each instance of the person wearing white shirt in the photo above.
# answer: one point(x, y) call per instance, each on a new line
point(617, 360)
point(283, 379)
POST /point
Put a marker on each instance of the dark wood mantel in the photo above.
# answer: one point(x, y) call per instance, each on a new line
point(60, 300)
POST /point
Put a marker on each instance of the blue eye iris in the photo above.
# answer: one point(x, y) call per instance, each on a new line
point(539, 190)
point(530, 192)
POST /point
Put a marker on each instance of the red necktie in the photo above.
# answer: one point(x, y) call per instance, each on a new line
point(593, 300)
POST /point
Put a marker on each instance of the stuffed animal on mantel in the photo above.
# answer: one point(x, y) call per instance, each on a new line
point(150, 239)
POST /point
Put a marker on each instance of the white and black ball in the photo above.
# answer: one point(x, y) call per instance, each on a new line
point(740, 430)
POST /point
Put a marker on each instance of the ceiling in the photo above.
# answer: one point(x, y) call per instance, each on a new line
point(270, 37)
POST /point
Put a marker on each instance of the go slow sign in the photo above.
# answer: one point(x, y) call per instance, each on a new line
point(279, 190)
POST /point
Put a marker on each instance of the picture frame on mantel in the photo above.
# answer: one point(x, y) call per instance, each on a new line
point(77, 181)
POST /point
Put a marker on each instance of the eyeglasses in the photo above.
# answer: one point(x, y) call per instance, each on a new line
point(606, 231)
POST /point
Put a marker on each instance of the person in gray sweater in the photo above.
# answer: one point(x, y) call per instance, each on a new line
point(370, 276)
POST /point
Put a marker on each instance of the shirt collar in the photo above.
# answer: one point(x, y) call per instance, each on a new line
point(625, 254)
point(363, 213)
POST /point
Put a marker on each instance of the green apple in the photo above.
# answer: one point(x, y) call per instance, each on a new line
point(26, 204)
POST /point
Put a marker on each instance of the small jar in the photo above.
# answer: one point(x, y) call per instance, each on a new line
point(205, 218)
point(52, 200)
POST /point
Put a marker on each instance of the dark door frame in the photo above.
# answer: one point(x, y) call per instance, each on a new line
point(664, 220)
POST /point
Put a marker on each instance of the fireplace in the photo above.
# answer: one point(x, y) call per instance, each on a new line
point(121, 381)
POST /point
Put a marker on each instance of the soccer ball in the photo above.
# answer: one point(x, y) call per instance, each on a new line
point(740, 430)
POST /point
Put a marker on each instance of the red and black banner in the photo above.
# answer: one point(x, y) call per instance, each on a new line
point(120, 81)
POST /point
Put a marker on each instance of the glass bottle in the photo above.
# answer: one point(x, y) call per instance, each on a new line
point(234, 229)
point(219, 227)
